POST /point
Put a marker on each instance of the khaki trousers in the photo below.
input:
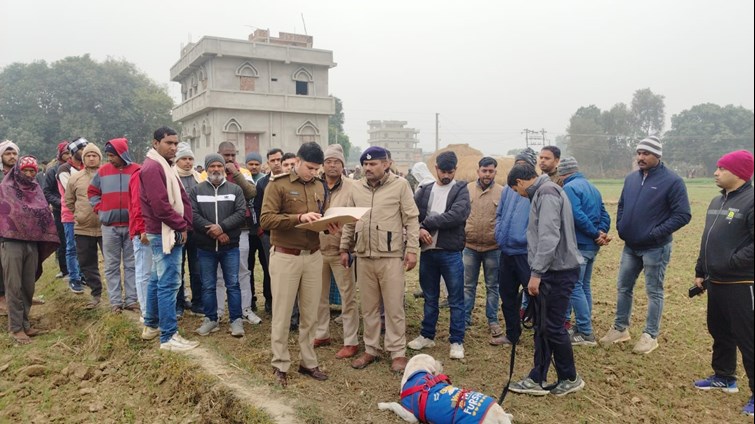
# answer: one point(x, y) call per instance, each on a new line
point(19, 259)
point(291, 275)
point(381, 280)
point(349, 311)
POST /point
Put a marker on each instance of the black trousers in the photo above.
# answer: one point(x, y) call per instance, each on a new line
point(551, 338)
point(513, 273)
point(60, 254)
point(730, 323)
point(195, 280)
point(259, 248)
point(86, 253)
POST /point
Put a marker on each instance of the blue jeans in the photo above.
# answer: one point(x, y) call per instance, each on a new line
point(654, 262)
point(162, 288)
point(208, 270)
point(581, 297)
point(489, 261)
point(142, 270)
point(72, 261)
point(449, 265)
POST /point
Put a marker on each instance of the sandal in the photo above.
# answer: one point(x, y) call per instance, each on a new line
point(32, 332)
point(21, 338)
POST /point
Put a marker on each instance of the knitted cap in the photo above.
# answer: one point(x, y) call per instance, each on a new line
point(77, 145)
point(568, 165)
point(212, 158)
point(28, 162)
point(253, 156)
point(62, 148)
point(184, 151)
point(335, 151)
point(528, 155)
point(651, 144)
point(739, 163)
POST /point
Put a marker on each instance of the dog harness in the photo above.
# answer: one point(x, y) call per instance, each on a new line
point(432, 399)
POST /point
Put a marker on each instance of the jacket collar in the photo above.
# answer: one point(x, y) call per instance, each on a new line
point(747, 185)
point(573, 177)
point(531, 190)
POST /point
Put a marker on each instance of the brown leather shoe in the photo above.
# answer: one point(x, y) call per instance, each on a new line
point(399, 364)
point(322, 342)
point(280, 377)
point(347, 352)
point(363, 361)
point(314, 373)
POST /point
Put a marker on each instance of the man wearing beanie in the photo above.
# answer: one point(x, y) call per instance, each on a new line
point(218, 212)
point(591, 224)
point(725, 268)
point(190, 178)
point(110, 197)
point(87, 228)
point(253, 161)
point(65, 172)
point(50, 189)
point(443, 211)
point(653, 205)
point(338, 192)
point(9, 152)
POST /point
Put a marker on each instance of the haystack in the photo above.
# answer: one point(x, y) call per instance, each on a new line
point(468, 160)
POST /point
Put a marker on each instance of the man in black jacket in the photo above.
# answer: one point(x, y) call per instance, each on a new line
point(52, 194)
point(443, 211)
point(218, 207)
point(725, 265)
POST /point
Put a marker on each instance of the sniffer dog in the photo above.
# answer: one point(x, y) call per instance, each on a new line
point(428, 396)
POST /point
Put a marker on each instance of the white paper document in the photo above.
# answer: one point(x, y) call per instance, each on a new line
point(341, 216)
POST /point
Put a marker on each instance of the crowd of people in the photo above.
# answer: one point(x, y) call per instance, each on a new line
point(156, 222)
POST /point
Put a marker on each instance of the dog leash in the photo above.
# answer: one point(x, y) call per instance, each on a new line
point(528, 313)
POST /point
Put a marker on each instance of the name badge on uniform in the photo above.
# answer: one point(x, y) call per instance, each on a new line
point(732, 213)
point(293, 193)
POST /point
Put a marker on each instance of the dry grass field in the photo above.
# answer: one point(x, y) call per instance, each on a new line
point(92, 367)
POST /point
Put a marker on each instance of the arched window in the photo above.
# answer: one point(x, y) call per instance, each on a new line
point(247, 74)
point(307, 132)
point(302, 78)
point(232, 128)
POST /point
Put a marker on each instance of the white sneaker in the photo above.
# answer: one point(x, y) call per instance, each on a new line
point(149, 333)
point(646, 344)
point(176, 345)
point(615, 336)
point(237, 327)
point(193, 344)
point(250, 316)
point(457, 351)
point(420, 343)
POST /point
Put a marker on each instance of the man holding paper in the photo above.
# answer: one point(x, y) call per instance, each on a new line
point(378, 242)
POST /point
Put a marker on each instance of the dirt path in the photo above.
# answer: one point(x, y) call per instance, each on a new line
point(240, 384)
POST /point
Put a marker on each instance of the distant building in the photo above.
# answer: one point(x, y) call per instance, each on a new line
point(402, 142)
point(259, 93)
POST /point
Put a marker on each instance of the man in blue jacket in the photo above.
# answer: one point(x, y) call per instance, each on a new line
point(511, 221)
point(443, 211)
point(591, 224)
point(653, 205)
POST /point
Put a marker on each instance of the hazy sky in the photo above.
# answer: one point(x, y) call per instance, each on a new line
point(490, 68)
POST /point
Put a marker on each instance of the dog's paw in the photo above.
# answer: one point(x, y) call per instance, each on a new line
point(384, 406)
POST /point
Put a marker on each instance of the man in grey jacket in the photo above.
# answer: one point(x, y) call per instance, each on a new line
point(218, 207)
point(554, 260)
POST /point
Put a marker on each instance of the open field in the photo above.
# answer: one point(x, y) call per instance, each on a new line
point(130, 381)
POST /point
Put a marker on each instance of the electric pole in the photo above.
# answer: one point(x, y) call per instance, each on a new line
point(527, 133)
point(437, 135)
point(542, 131)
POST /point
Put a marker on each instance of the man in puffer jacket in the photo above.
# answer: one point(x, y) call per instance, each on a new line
point(218, 207)
point(110, 198)
point(86, 227)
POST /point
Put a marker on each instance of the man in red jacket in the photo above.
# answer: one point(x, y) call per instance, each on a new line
point(109, 195)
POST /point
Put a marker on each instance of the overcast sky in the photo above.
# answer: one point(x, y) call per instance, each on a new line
point(489, 68)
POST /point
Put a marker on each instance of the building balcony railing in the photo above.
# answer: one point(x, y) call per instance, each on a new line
point(251, 101)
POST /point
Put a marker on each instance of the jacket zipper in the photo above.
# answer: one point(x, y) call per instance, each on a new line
point(710, 230)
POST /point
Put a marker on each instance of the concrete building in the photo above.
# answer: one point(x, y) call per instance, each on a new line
point(401, 141)
point(259, 93)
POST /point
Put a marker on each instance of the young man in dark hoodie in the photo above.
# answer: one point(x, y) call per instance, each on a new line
point(52, 195)
point(653, 205)
point(110, 198)
point(725, 268)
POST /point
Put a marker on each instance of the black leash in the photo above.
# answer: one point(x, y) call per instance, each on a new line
point(528, 317)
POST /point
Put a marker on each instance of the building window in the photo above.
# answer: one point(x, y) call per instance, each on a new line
point(302, 88)
point(246, 83)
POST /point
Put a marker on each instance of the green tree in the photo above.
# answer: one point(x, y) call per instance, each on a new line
point(648, 113)
point(335, 129)
point(699, 136)
point(77, 96)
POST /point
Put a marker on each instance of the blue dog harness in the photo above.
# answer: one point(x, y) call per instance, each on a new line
point(434, 400)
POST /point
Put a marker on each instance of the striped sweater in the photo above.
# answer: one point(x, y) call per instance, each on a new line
point(109, 194)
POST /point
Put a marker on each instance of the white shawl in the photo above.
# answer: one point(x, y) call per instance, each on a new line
point(173, 186)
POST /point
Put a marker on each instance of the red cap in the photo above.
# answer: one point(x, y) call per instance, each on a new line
point(739, 163)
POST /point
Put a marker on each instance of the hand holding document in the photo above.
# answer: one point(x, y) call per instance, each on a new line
point(339, 216)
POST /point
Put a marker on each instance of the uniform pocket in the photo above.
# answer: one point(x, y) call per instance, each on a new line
point(387, 241)
point(361, 241)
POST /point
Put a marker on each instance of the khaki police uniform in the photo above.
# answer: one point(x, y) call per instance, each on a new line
point(295, 263)
point(378, 242)
point(330, 244)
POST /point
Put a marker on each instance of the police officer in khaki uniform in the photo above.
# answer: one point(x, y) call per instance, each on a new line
point(382, 257)
point(295, 258)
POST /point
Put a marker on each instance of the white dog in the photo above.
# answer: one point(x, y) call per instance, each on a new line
point(442, 402)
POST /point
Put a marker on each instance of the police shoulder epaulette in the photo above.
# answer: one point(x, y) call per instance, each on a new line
point(279, 176)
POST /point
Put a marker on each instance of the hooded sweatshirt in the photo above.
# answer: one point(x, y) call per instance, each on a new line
point(108, 192)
